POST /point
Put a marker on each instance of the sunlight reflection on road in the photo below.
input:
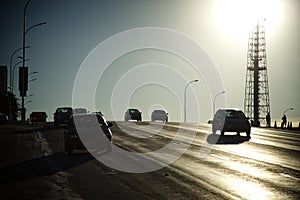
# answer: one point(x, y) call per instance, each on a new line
point(250, 190)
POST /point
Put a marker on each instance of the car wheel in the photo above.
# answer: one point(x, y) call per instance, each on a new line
point(248, 133)
point(166, 119)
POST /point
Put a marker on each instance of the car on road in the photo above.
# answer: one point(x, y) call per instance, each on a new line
point(91, 129)
point(3, 118)
point(39, 116)
point(133, 114)
point(159, 115)
point(80, 110)
point(230, 120)
point(62, 115)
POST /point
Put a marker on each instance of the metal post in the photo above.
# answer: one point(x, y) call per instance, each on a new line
point(185, 97)
point(214, 105)
point(23, 112)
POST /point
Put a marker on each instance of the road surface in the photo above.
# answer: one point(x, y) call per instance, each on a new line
point(265, 167)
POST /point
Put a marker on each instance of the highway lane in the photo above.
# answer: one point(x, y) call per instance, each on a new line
point(266, 167)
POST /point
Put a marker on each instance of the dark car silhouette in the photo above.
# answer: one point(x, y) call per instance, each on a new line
point(62, 115)
point(133, 114)
point(90, 128)
point(230, 120)
point(38, 117)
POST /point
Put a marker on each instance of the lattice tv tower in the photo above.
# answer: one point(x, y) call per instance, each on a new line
point(257, 101)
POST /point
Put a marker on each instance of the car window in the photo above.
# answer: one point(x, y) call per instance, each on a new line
point(232, 114)
point(88, 121)
point(220, 114)
point(64, 110)
point(240, 115)
point(133, 110)
point(159, 112)
point(80, 110)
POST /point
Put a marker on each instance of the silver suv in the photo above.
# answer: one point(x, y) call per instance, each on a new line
point(160, 115)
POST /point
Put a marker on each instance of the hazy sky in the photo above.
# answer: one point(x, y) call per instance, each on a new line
point(75, 27)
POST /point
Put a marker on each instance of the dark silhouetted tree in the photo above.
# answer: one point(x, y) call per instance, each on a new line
point(5, 100)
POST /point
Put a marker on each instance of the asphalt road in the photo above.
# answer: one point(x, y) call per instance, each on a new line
point(265, 167)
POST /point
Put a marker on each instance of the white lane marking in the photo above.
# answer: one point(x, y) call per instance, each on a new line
point(289, 176)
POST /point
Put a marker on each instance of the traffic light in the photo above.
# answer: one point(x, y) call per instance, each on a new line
point(23, 80)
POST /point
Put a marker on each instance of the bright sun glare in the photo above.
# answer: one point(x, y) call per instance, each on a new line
point(237, 17)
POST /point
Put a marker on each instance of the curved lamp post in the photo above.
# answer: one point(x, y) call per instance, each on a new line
point(214, 105)
point(193, 81)
point(25, 31)
point(287, 110)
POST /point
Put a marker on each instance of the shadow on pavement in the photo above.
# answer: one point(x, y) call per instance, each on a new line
point(36, 129)
point(43, 166)
point(226, 139)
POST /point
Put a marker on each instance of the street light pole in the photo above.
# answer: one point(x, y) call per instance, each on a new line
point(22, 85)
point(214, 104)
point(23, 112)
point(185, 97)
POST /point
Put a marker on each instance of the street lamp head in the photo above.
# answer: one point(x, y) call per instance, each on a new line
point(196, 80)
point(288, 110)
point(36, 72)
point(27, 102)
point(32, 80)
point(42, 23)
